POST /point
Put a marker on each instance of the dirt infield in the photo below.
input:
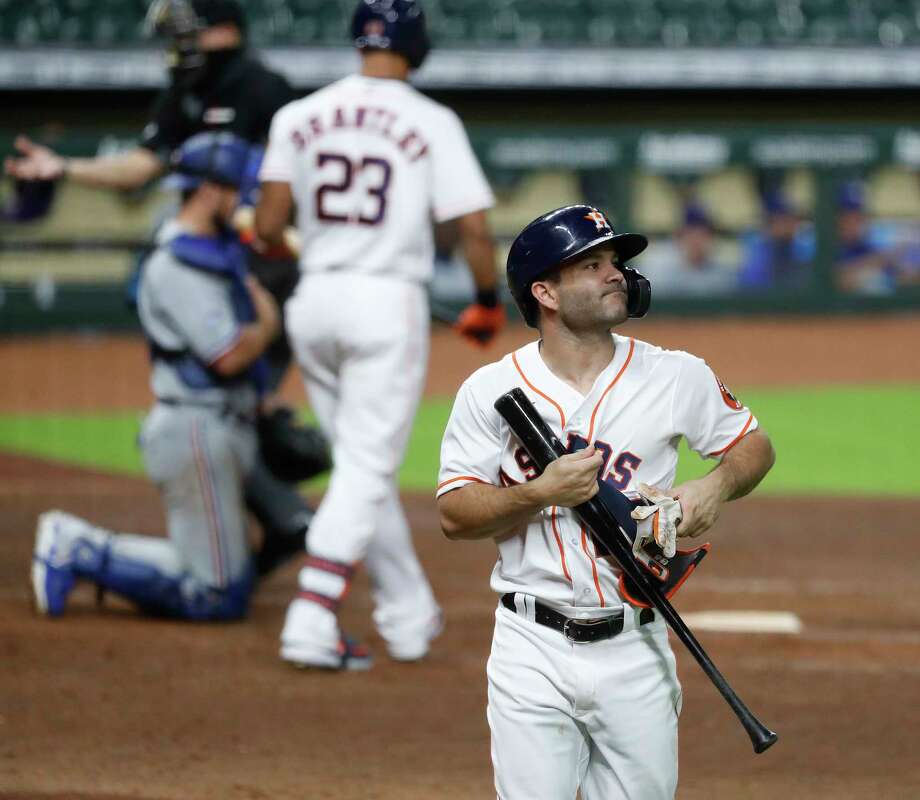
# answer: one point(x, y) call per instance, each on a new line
point(92, 372)
point(104, 704)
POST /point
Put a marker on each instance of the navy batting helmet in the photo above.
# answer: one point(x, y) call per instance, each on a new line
point(215, 157)
point(561, 236)
point(397, 25)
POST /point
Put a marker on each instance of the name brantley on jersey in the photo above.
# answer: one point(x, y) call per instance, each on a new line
point(378, 120)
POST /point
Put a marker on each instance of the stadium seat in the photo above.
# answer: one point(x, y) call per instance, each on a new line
point(531, 196)
point(508, 23)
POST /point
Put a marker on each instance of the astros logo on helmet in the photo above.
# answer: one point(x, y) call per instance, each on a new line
point(599, 220)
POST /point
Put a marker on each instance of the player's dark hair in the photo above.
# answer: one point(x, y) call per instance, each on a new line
point(553, 276)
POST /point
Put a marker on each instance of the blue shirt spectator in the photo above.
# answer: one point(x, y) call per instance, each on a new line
point(864, 264)
point(779, 256)
point(689, 264)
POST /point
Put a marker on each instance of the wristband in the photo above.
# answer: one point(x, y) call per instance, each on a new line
point(487, 298)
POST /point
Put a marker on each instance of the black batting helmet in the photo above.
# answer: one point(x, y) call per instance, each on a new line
point(559, 237)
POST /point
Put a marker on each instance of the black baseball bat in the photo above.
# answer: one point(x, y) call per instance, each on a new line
point(544, 447)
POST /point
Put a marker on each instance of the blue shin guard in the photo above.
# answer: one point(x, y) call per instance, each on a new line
point(156, 591)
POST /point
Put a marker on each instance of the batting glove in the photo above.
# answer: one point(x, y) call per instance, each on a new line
point(658, 521)
point(481, 321)
point(244, 221)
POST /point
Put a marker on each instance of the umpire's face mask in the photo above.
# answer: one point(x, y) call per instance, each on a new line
point(176, 21)
point(191, 61)
point(186, 63)
point(202, 69)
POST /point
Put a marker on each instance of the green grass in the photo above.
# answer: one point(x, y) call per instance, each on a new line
point(836, 440)
point(830, 440)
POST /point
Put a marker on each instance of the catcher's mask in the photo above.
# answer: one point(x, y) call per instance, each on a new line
point(558, 237)
point(180, 22)
point(176, 21)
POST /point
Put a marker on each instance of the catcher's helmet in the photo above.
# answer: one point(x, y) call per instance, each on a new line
point(562, 235)
point(215, 157)
point(397, 25)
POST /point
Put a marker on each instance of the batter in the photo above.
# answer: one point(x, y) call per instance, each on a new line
point(369, 162)
point(583, 691)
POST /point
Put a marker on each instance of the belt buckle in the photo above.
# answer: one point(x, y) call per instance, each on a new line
point(565, 631)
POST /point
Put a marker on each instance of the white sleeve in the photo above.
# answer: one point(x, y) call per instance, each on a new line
point(471, 448)
point(458, 184)
point(278, 163)
point(711, 418)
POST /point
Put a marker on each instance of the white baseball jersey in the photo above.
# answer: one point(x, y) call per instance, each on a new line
point(638, 409)
point(371, 161)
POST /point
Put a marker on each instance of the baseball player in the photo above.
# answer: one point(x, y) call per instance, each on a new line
point(215, 85)
point(207, 323)
point(368, 162)
point(583, 691)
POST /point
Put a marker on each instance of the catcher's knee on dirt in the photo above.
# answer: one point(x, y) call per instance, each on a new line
point(164, 589)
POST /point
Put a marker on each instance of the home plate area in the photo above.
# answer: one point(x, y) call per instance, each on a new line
point(744, 621)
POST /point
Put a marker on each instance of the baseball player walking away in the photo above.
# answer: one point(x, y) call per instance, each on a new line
point(368, 162)
point(582, 686)
point(207, 323)
point(215, 85)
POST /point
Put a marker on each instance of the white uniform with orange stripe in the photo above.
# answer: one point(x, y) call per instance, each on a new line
point(370, 162)
point(600, 715)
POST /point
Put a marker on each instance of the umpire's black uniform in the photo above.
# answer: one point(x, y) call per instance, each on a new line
point(231, 92)
point(224, 90)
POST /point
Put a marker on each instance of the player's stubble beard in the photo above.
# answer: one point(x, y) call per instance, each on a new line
point(222, 218)
point(586, 312)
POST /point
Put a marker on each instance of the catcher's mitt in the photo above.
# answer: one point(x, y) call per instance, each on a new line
point(292, 452)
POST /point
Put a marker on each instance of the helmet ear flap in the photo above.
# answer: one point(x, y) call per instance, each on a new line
point(638, 293)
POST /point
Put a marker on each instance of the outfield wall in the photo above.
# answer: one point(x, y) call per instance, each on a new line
point(69, 269)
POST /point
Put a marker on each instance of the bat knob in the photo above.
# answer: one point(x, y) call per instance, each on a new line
point(764, 740)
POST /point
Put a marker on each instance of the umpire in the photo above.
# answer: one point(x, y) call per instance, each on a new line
point(215, 85)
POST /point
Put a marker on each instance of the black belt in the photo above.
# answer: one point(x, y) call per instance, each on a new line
point(581, 631)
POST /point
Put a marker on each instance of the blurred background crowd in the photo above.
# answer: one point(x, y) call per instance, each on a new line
point(768, 148)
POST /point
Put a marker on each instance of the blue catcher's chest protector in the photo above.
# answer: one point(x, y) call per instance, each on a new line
point(225, 257)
